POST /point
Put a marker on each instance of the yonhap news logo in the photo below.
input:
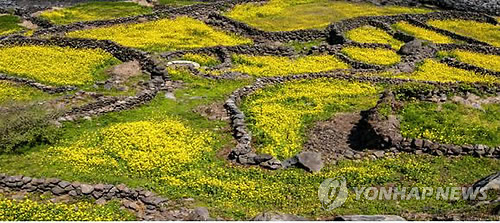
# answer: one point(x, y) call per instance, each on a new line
point(333, 193)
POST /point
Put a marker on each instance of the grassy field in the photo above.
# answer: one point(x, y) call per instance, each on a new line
point(286, 15)
point(163, 35)
point(94, 11)
point(452, 123)
point(9, 24)
point(15, 92)
point(231, 191)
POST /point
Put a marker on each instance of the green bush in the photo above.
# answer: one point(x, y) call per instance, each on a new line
point(23, 126)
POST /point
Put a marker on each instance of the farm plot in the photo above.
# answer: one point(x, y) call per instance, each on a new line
point(372, 56)
point(279, 115)
point(163, 35)
point(266, 66)
point(94, 11)
point(370, 34)
point(234, 192)
point(422, 33)
point(485, 32)
point(490, 62)
point(452, 123)
point(55, 65)
point(277, 15)
point(432, 70)
point(38, 208)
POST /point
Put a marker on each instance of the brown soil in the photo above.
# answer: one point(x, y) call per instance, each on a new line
point(213, 112)
point(126, 70)
point(342, 134)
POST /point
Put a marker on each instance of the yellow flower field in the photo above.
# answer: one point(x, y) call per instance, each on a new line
point(486, 32)
point(143, 148)
point(491, 62)
point(278, 113)
point(372, 56)
point(54, 65)
point(267, 66)
point(422, 33)
point(370, 34)
point(163, 35)
point(29, 210)
point(287, 15)
point(435, 71)
point(10, 91)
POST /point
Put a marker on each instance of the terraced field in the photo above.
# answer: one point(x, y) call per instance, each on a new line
point(241, 110)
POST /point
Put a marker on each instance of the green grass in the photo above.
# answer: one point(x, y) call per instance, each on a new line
point(370, 34)
point(286, 15)
point(9, 24)
point(481, 31)
point(422, 33)
point(304, 46)
point(94, 11)
point(240, 193)
point(372, 56)
point(451, 123)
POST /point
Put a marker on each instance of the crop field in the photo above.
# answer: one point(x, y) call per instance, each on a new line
point(223, 110)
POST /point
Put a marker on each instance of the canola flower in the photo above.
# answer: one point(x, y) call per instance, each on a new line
point(372, 56)
point(143, 148)
point(163, 35)
point(94, 11)
point(29, 210)
point(486, 32)
point(491, 62)
point(277, 114)
point(10, 91)
point(370, 34)
point(287, 15)
point(54, 65)
point(432, 70)
point(267, 66)
point(422, 33)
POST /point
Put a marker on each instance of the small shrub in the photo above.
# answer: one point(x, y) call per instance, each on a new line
point(486, 32)
point(372, 56)
point(163, 35)
point(422, 33)
point(266, 66)
point(94, 11)
point(370, 34)
point(411, 90)
point(24, 126)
